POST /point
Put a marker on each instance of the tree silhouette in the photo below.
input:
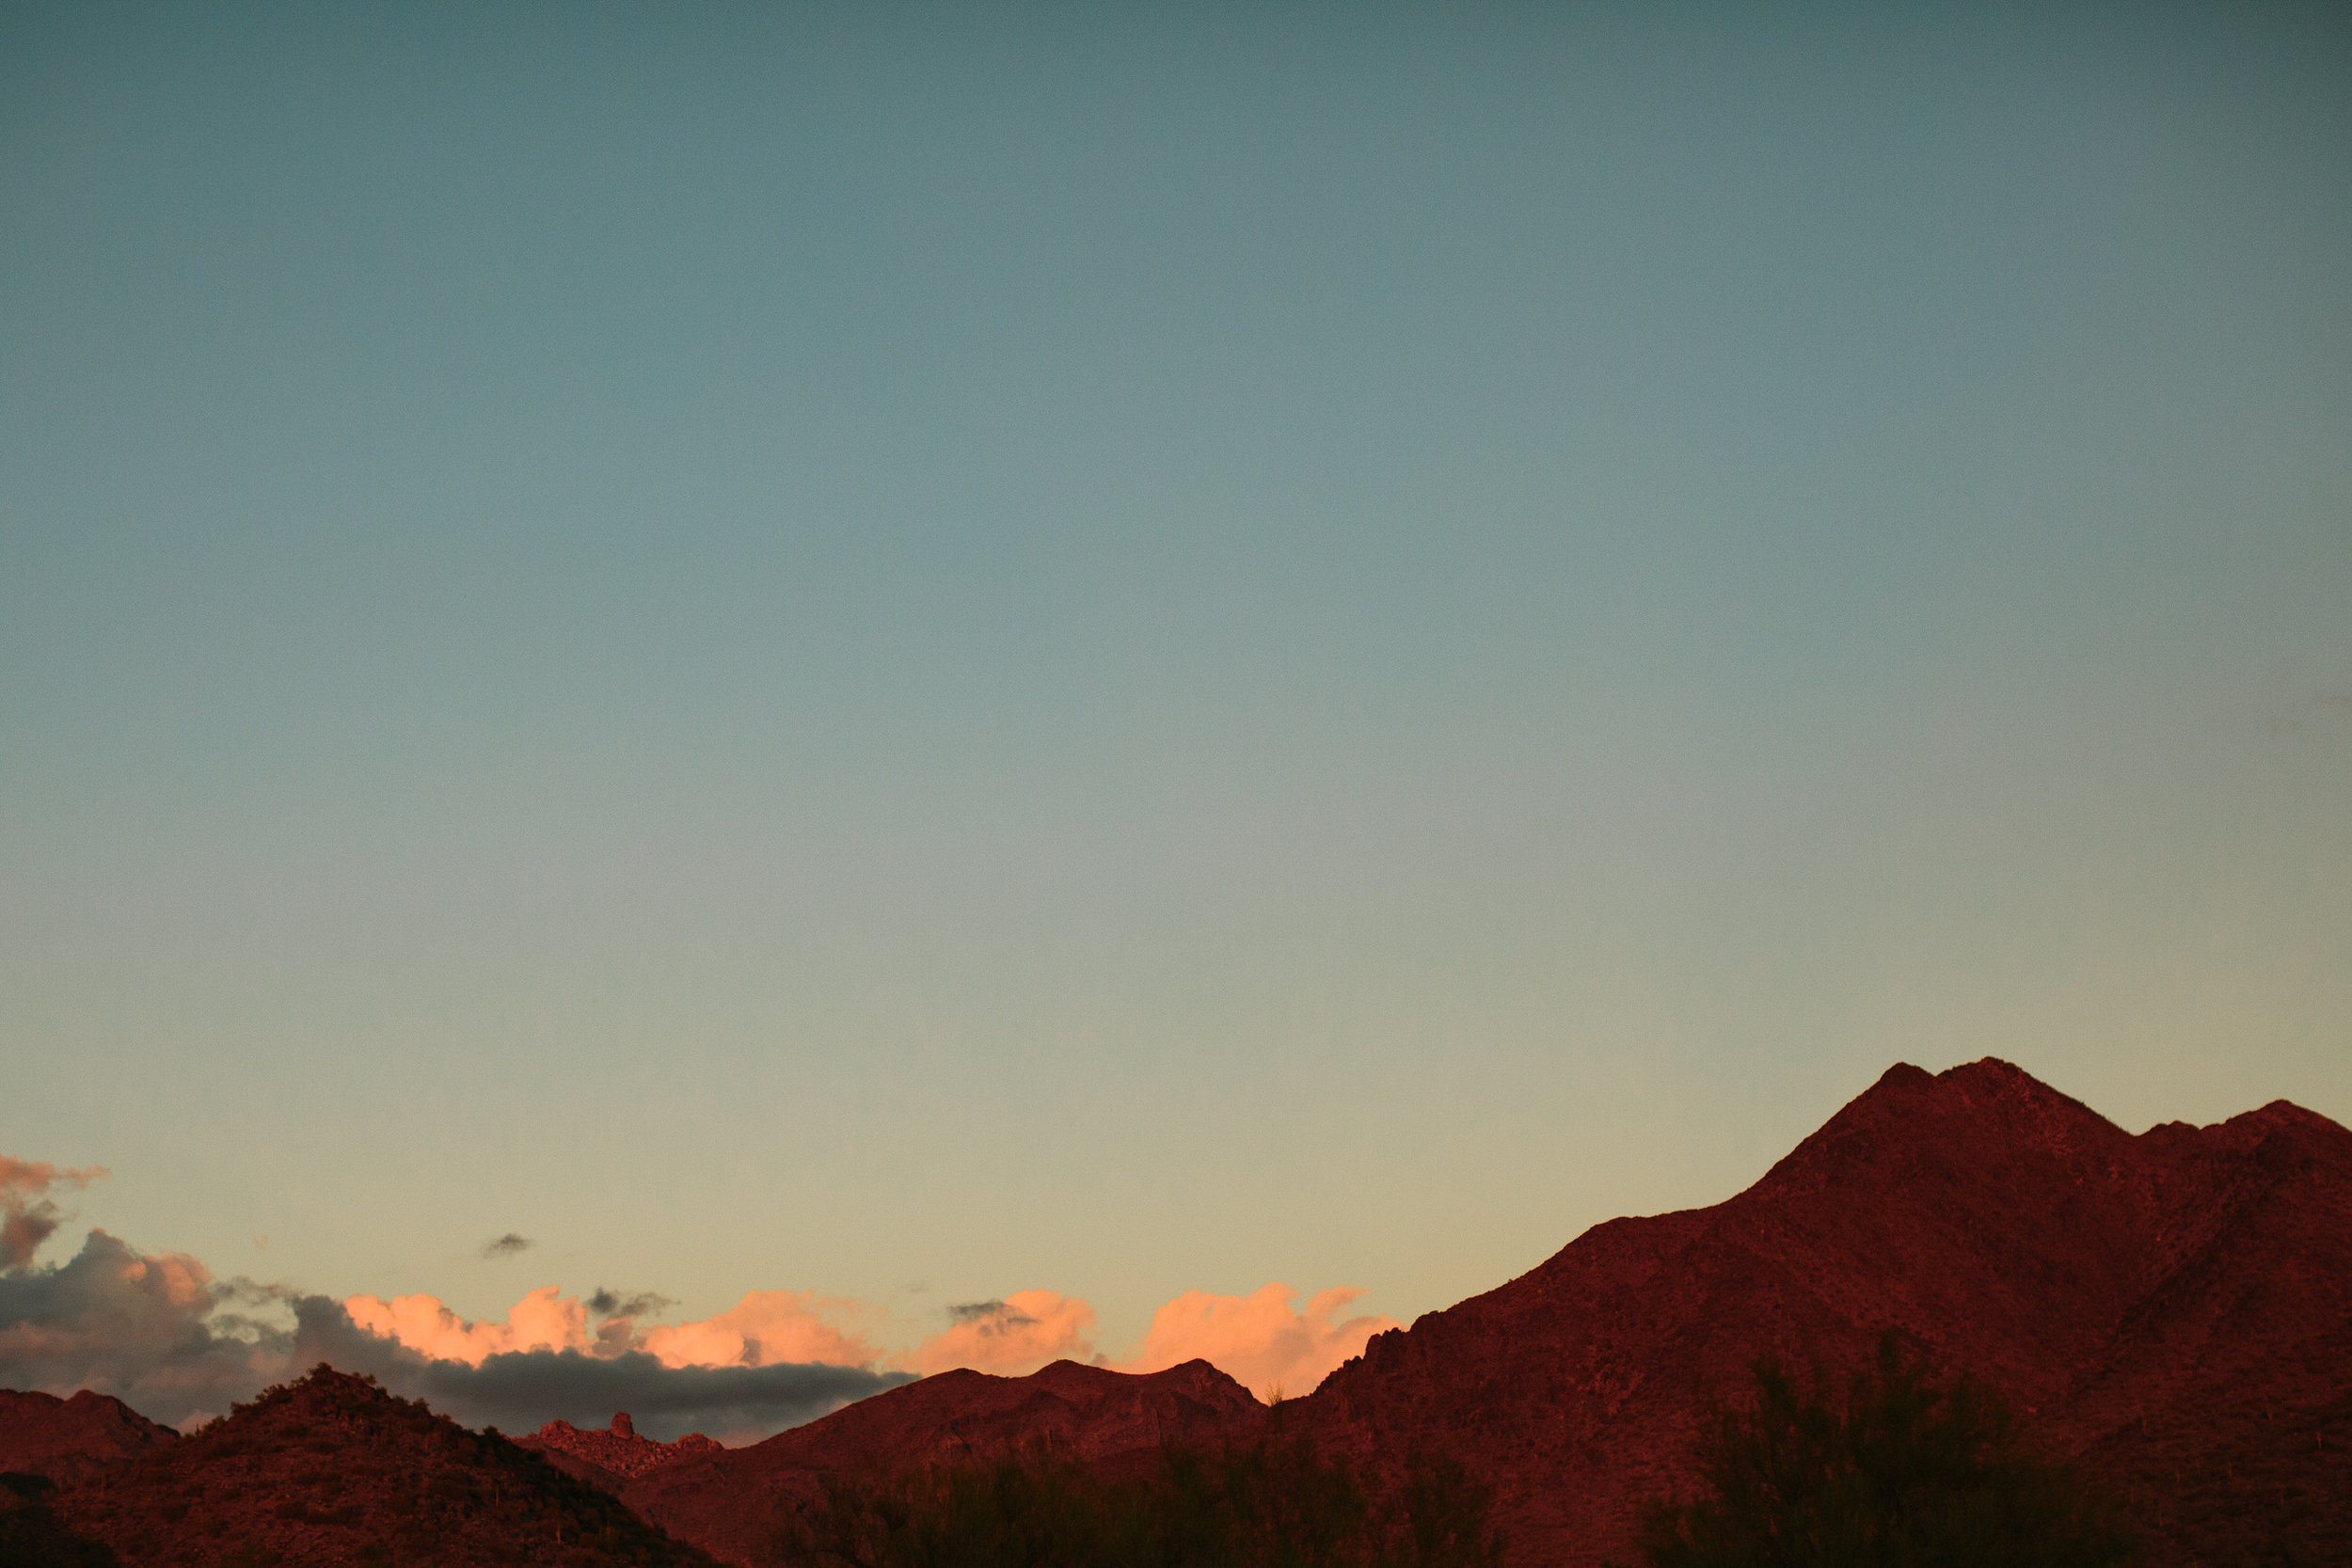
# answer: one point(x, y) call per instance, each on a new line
point(1912, 1473)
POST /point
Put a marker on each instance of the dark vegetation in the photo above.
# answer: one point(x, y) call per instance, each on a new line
point(1274, 1504)
point(1912, 1472)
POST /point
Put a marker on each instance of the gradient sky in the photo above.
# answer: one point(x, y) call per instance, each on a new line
point(925, 651)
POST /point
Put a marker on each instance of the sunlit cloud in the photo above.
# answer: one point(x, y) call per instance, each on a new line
point(543, 1319)
point(768, 1328)
point(1009, 1338)
point(1258, 1340)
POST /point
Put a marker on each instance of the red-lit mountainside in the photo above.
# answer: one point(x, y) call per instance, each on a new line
point(64, 1441)
point(725, 1502)
point(332, 1470)
point(2173, 1308)
point(612, 1457)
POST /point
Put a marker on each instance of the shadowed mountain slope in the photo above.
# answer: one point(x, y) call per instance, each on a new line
point(725, 1502)
point(69, 1440)
point(2169, 1307)
point(332, 1470)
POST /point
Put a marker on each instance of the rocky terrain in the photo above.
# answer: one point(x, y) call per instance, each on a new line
point(61, 1441)
point(333, 1470)
point(612, 1457)
point(728, 1501)
point(2173, 1309)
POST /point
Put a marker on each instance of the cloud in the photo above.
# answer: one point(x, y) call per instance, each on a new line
point(627, 1304)
point(152, 1331)
point(543, 1319)
point(767, 1327)
point(1010, 1337)
point(507, 1246)
point(27, 1215)
point(1257, 1338)
point(973, 1311)
point(160, 1333)
point(518, 1391)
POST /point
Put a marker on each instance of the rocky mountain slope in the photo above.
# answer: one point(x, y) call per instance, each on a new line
point(333, 1470)
point(611, 1458)
point(63, 1441)
point(727, 1502)
point(2171, 1309)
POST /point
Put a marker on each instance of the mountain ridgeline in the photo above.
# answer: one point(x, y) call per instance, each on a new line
point(2152, 1331)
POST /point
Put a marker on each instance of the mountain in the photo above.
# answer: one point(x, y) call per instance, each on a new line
point(332, 1470)
point(727, 1502)
point(2172, 1309)
point(611, 1457)
point(62, 1441)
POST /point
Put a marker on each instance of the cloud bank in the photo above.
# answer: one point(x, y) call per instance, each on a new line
point(158, 1332)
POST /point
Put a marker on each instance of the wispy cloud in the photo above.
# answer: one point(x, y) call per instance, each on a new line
point(507, 1246)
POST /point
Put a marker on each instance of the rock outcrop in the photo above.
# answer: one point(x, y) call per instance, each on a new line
point(614, 1456)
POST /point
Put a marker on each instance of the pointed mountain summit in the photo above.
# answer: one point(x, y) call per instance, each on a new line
point(2170, 1308)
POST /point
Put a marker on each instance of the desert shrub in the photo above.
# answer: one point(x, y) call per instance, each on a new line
point(1912, 1473)
point(1272, 1505)
point(33, 1537)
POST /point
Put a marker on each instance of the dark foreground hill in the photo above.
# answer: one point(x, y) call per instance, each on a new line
point(726, 1501)
point(333, 1470)
point(2173, 1309)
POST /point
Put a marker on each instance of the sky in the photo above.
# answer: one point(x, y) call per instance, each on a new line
point(928, 656)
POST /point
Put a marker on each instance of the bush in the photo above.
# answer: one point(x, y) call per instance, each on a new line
point(1914, 1473)
point(1273, 1505)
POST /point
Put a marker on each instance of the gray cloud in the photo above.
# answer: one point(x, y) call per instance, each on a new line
point(507, 1246)
point(150, 1331)
point(627, 1304)
point(997, 1313)
point(160, 1335)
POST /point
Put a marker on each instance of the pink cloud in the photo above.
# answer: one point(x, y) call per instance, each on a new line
point(1262, 1339)
point(767, 1327)
point(1258, 1340)
point(27, 1217)
point(544, 1320)
point(1008, 1338)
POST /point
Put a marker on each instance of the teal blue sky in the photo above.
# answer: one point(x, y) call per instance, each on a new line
point(922, 651)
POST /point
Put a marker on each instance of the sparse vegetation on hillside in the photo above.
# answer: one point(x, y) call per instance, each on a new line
point(1276, 1504)
point(1912, 1473)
